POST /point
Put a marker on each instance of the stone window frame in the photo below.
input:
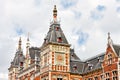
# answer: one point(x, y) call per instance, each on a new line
point(114, 74)
point(96, 78)
point(45, 59)
point(59, 78)
point(107, 76)
point(101, 77)
point(89, 78)
point(109, 58)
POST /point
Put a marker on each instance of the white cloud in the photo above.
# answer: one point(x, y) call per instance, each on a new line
point(3, 76)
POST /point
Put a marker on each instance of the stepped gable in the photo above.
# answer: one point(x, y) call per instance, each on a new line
point(93, 63)
point(115, 47)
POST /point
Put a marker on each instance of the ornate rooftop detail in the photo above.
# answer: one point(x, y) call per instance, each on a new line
point(55, 33)
point(109, 39)
point(19, 44)
point(55, 14)
point(19, 57)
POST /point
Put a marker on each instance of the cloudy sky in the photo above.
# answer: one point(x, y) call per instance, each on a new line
point(84, 22)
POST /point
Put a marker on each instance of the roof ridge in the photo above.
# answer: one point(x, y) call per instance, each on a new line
point(76, 60)
point(116, 44)
point(94, 56)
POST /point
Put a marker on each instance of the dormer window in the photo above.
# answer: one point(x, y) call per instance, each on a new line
point(99, 59)
point(72, 55)
point(59, 39)
point(57, 28)
point(21, 63)
point(45, 40)
point(75, 68)
point(90, 66)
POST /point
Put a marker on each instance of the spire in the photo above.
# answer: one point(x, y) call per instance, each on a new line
point(28, 44)
point(19, 44)
point(28, 37)
point(109, 39)
point(55, 33)
point(27, 47)
point(55, 13)
point(108, 35)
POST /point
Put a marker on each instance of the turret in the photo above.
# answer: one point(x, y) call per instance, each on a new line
point(55, 34)
point(17, 63)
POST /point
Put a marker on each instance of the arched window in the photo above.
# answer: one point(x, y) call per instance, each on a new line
point(109, 58)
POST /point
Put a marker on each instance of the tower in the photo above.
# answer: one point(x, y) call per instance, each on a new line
point(17, 63)
point(55, 53)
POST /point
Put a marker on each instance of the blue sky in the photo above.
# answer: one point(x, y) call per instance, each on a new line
point(84, 22)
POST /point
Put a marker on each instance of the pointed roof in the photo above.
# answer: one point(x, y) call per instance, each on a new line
point(73, 56)
point(19, 57)
point(55, 33)
point(116, 49)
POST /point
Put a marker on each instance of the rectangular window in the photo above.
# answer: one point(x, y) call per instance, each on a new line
point(102, 77)
point(89, 78)
point(59, 78)
point(114, 74)
point(45, 59)
point(107, 76)
point(109, 59)
point(95, 78)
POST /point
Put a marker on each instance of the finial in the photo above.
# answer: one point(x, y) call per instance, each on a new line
point(109, 39)
point(28, 36)
point(108, 35)
point(27, 46)
point(55, 13)
point(19, 44)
